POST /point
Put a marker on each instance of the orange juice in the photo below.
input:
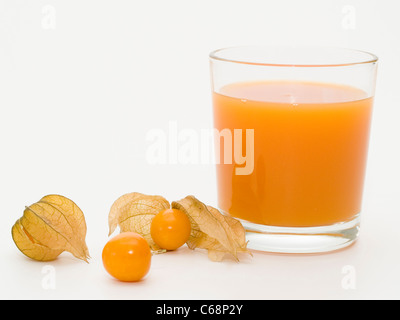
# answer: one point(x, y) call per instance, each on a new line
point(310, 150)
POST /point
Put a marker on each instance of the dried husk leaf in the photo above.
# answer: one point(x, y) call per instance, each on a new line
point(49, 227)
point(32, 247)
point(217, 233)
point(133, 212)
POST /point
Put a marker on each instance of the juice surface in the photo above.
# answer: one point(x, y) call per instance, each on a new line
point(310, 150)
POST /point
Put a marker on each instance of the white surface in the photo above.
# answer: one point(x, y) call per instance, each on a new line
point(77, 101)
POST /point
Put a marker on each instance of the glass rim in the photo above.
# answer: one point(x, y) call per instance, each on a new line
point(217, 55)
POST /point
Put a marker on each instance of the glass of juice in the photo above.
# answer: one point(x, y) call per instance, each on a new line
point(291, 130)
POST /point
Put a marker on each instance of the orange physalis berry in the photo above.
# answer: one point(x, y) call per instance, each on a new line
point(170, 229)
point(127, 257)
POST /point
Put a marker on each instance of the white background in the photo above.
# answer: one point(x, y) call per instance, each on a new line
point(83, 82)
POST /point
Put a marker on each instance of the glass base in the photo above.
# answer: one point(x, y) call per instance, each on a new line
point(301, 240)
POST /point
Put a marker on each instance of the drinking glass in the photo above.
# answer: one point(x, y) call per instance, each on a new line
point(291, 139)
